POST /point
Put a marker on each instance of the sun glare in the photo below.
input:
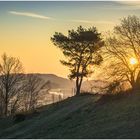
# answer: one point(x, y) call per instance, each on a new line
point(133, 61)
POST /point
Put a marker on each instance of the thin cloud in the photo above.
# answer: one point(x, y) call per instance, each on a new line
point(27, 14)
point(128, 5)
point(94, 22)
point(81, 21)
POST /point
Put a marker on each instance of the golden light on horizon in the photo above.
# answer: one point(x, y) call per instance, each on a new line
point(133, 61)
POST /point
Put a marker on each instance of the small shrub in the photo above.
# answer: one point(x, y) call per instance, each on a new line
point(19, 118)
point(35, 113)
point(85, 93)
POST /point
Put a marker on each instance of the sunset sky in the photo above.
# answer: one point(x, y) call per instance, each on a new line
point(26, 28)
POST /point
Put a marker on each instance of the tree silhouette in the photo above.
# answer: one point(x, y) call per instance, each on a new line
point(33, 85)
point(81, 49)
point(121, 46)
point(10, 80)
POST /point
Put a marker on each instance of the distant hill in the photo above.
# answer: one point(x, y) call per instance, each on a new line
point(85, 116)
point(68, 85)
point(57, 82)
point(64, 83)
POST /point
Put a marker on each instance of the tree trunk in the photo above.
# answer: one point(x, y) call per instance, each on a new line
point(133, 82)
point(78, 90)
point(78, 85)
point(6, 96)
point(6, 108)
point(13, 109)
point(136, 86)
point(137, 83)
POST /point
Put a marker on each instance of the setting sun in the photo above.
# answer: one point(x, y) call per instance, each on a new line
point(133, 61)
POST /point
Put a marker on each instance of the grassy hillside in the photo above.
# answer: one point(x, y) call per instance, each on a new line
point(85, 116)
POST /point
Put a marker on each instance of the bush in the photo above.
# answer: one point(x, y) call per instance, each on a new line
point(86, 93)
point(19, 118)
point(35, 112)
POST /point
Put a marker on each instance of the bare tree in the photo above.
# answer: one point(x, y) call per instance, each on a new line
point(34, 85)
point(10, 79)
point(16, 102)
point(121, 46)
point(1, 104)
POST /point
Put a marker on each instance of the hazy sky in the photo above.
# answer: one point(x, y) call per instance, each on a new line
point(26, 28)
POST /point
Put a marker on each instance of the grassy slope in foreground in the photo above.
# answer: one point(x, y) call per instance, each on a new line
point(85, 116)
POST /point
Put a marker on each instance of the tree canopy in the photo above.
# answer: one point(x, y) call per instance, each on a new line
point(81, 49)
